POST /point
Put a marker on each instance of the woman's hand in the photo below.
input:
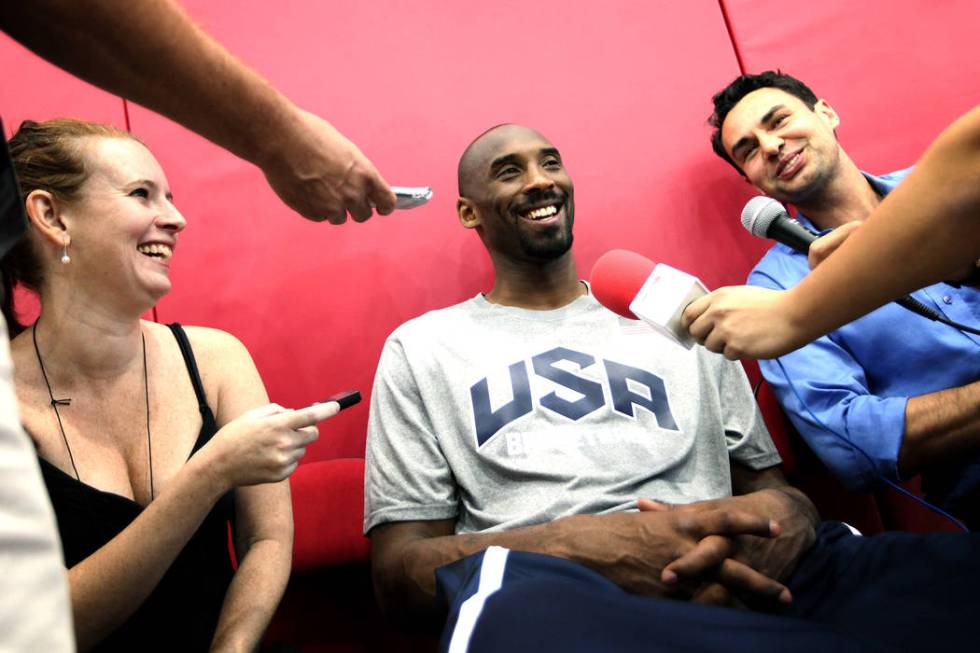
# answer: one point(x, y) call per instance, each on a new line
point(265, 444)
point(744, 322)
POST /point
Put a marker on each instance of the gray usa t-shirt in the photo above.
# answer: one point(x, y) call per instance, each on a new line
point(501, 417)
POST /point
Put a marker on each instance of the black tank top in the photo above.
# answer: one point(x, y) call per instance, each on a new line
point(181, 613)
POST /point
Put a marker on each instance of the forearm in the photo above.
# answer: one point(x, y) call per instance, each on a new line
point(924, 231)
point(629, 548)
point(405, 582)
point(939, 427)
point(253, 596)
point(134, 52)
point(109, 585)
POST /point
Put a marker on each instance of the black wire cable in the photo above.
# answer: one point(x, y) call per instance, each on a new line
point(910, 303)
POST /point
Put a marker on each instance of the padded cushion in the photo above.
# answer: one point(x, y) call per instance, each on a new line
point(328, 509)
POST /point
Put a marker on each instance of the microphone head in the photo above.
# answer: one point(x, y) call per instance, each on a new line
point(616, 278)
point(759, 214)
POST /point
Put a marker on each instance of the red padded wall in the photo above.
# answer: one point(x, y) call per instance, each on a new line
point(622, 90)
point(34, 89)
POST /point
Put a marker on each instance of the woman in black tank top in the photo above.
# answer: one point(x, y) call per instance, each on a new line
point(153, 440)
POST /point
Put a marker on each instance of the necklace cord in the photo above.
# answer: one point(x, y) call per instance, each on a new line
point(54, 402)
point(67, 402)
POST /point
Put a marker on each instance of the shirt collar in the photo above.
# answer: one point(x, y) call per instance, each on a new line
point(881, 185)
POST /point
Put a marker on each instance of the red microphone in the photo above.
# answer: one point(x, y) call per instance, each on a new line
point(631, 285)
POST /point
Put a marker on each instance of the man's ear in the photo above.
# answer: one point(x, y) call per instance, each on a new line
point(826, 112)
point(469, 217)
point(44, 211)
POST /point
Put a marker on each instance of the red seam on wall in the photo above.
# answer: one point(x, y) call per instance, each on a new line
point(731, 36)
point(126, 115)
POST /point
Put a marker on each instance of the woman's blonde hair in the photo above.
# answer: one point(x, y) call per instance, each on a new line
point(47, 156)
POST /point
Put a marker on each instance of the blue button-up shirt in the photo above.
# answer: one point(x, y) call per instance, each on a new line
point(858, 379)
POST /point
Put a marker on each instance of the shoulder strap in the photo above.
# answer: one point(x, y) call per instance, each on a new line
point(189, 360)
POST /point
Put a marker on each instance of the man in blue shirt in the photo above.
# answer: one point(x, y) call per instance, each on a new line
point(903, 389)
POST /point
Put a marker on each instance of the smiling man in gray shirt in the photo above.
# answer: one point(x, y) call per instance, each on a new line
point(512, 438)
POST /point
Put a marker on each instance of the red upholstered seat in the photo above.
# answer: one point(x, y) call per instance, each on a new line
point(885, 509)
point(328, 509)
point(804, 470)
point(329, 604)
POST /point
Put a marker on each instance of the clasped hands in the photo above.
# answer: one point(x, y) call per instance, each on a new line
point(740, 561)
point(724, 551)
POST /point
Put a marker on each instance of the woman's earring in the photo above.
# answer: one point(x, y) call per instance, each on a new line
point(65, 259)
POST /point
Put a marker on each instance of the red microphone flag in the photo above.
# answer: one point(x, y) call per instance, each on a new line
point(617, 277)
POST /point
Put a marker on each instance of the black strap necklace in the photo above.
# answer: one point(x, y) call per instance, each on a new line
point(67, 402)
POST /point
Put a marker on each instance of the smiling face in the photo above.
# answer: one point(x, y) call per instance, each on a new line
point(784, 148)
point(124, 225)
point(516, 192)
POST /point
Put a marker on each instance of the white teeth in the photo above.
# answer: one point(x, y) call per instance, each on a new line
point(156, 249)
point(543, 212)
point(790, 162)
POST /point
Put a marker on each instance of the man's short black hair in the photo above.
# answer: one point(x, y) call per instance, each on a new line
point(726, 99)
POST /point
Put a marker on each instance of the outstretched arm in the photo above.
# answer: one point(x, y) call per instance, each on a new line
point(154, 55)
point(926, 230)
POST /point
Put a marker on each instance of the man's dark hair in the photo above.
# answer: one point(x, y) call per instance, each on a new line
point(726, 99)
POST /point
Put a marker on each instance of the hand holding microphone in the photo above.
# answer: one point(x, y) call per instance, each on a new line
point(764, 217)
point(635, 287)
point(744, 322)
point(738, 321)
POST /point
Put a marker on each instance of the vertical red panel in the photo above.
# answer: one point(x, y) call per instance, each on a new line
point(897, 72)
point(621, 88)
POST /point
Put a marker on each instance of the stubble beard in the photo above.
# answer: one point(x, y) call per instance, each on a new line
point(552, 244)
point(810, 190)
point(546, 249)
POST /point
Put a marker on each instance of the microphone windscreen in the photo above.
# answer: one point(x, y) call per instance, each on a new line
point(759, 214)
point(616, 278)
